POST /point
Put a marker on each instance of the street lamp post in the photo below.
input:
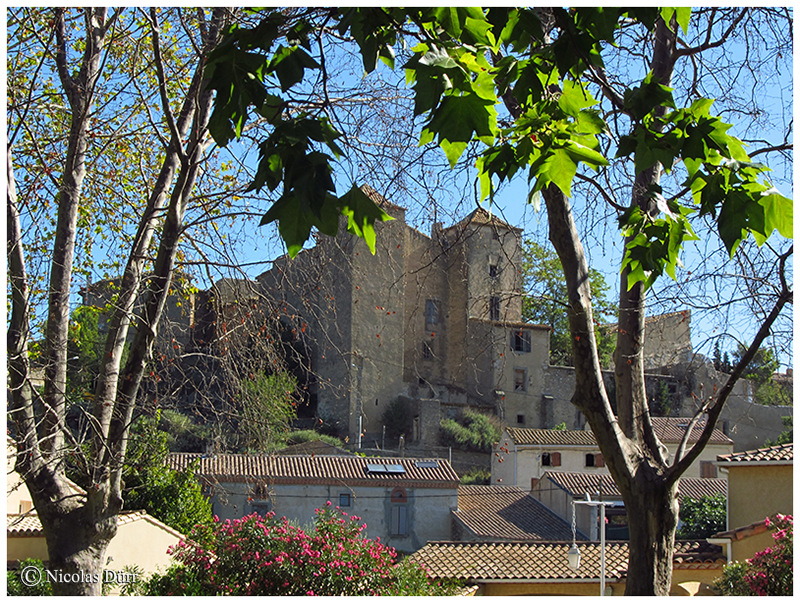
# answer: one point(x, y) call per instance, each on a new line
point(574, 555)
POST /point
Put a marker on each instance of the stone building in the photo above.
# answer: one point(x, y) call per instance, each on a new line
point(434, 320)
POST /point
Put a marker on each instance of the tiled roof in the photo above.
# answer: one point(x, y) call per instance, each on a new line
point(671, 429)
point(508, 513)
point(546, 561)
point(577, 484)
point(668, 429)
point(28, 525)
point(740, 533)
point(306, 469)
point(775, 455)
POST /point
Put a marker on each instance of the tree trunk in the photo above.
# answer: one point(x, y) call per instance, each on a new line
point(652, 510)
point(78, 531)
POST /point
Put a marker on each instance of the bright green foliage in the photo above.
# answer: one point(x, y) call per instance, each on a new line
point(268, 408)
point(472, 431)
point(787, 436)
point(309, 435)
point(15, 587)
point(761, 367)
point(457, 91)
point(560, 427)
point(84, 351)
point(545, 302)
point(243, 71)
point(266, 556)
point(173, 497)
point(476, 477)
point(770, 572)
point(701, 518)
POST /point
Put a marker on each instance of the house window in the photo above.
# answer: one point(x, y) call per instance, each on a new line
point(493, 271)
point(551, 459)
point(707, 469)
point(520, 380)
point(494, 308)
point(595, 460)
point(521, 341)
point(399, 495)
point(345, 499)
point(520, 419)
point(431, 313)
point(399, 521)
point(427, 352)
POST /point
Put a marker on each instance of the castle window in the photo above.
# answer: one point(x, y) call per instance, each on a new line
point(427, 352)
point(493, 271)
point(344, 499)
point(520, 380)
point(520, 419)
point(431, 313)
point(521, 341)
point(494, 308)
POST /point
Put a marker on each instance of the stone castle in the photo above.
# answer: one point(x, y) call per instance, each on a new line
point(435, 321)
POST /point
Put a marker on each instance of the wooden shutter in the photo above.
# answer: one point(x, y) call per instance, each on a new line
point(399, 521)
point(555, 458)
point(599, 461)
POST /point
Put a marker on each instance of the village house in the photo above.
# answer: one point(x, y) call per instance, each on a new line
point(559, 490)
point(505, 513)
point(541, 568)
point(404, 501)
point(141, 539)
point(759, 486)
point(523, 454)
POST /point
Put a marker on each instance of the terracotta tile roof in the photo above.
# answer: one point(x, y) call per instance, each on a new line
point(306, 469)
point(577, 484)
point(508, 513)
point(29, 526)
point(753, 529)
point(546, 561)
point(695, 487)
point(669, 430)
point(775, 455)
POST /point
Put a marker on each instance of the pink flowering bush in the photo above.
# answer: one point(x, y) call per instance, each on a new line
point(769, 572)
point(268, 556)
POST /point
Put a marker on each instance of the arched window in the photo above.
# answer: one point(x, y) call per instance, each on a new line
point(399, 495)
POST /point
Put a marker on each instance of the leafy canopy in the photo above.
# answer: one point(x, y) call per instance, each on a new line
point(545, 301)
point(458, 90)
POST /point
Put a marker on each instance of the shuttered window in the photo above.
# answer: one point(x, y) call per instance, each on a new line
point(399, 521)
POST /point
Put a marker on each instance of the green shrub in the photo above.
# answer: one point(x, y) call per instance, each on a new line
point(309, 435)
point(476, 477)
point(701, 517)
point(471, 431)
point(265, 556)
point(15, 587)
